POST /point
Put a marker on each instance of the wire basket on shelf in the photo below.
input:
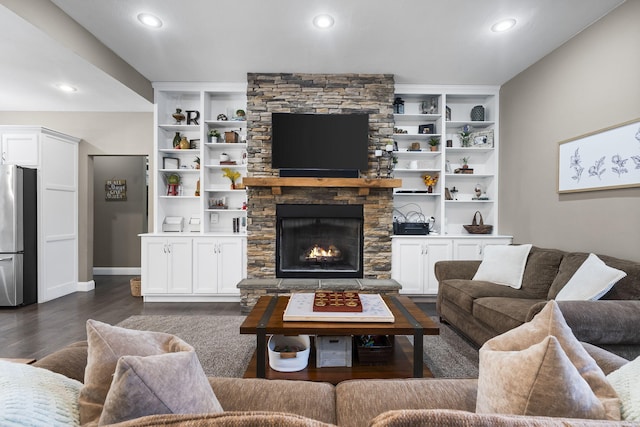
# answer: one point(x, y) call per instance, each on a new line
point(478, 227)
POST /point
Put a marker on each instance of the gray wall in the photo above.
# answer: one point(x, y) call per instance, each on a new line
point(590, 83)
point(116, 224)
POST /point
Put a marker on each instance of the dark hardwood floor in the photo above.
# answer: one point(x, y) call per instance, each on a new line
point(40, 329)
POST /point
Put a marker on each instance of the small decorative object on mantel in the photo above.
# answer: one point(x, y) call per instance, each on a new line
point(415, 146)
point(197, 162)
point(214, 134)
point(176, 140)
point(178, 116)
point(430, 182)
point(398, 106)
point(478, 226)
point(192, 117)
point(231, 137)
point(480, 193)
point(222, 118)
point(184, 144)
point(240, 115)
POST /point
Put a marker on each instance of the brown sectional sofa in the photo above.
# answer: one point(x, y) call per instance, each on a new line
point(482, 310)
point(402, 402)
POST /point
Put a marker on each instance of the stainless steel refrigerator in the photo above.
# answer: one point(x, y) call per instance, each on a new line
point(18, 236)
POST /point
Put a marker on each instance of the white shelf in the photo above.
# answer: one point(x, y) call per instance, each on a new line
point(468, 175)
point(223, 190)
point(180, 197)
point(414, 135)
point(225, 166)
point(235, 210)
point(178, 128)
point(179, 150)
point(225, 144)
point(472, 124)
point(416, 170)
point(227, 123)
point(401, 118)
point(467, 150)
point(180, 170)
point(405, 151)
point(468, 201)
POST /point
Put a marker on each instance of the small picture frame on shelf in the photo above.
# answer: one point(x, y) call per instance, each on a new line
point(482, 139)
point(427, 129)
point(170, 163)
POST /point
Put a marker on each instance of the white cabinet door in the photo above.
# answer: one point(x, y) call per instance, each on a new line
point(205, 266)
point(20, 149)
point(232, 264)
point(473, 249)
point(180, 262)
point(154, 265)
point(219, 264)
point(407, 264)
point(435, 250)
point(467, 249)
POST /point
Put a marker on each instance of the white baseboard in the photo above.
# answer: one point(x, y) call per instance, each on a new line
point(116, 271)
point(86, 286)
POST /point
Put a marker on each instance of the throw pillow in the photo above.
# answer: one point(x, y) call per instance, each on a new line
point(172, 383)
point(31, 396)
point(106, 344)
point(591, 281)
point(503, 264)
point(541, 369)
point(625, 382)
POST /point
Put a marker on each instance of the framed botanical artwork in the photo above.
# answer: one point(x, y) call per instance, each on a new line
point(170, 163)
point(601, 160)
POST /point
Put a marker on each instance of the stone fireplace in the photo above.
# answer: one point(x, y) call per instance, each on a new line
point(317, 93)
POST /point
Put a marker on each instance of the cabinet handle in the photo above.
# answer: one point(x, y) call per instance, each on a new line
point(479, 249)
point(426, 250)
point(168, 248)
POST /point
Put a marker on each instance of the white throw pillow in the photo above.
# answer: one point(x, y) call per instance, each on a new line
point(503, 264)
point(31, 396)
point(591, 281)
point(625, 382)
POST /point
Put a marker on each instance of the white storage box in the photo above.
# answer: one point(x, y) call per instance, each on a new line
point(333, 351)
point(173, 223)
point(288, 361)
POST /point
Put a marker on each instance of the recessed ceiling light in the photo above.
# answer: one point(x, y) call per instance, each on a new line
point(66, 88)
point(323, 21)
point(150, 20)
point(504, 25)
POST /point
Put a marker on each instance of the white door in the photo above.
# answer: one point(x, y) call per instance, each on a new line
point(436, 250)
point(467, 249)
point(232, 264)
point(154, 265)
point(180, 273)
point(205, 266)
point(407, 264)
point(20, 149)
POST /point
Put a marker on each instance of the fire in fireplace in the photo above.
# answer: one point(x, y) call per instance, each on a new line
point(319, 241)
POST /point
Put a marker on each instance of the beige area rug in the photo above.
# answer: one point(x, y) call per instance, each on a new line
point(224, 352)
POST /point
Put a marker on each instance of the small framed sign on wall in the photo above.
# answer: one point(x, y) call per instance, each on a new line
point(115, 190)
point(601, 160)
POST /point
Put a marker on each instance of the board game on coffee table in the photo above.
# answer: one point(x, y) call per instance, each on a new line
point(300, 309)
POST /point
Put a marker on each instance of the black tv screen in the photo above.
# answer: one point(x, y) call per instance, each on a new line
point(320, 141)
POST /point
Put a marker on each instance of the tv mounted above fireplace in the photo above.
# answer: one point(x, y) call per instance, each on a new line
point(334, 145)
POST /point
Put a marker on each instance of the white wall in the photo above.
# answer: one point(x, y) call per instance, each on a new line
point(101, 133)
point(590, 83)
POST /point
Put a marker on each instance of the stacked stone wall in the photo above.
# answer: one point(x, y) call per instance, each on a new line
point(317, 93)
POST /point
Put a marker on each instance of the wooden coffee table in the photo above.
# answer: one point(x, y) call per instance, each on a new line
point(407, 361)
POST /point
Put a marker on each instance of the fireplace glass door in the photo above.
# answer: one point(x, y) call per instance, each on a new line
point(319, 241)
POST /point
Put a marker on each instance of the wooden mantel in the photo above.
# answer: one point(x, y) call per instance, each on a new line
point(363, 184)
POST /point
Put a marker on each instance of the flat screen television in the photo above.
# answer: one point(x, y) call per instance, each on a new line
point(319, 142)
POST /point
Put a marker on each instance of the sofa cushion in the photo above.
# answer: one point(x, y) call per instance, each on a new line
point(503, 264)
point(591, 281)
point(171, 383)
point(69, 361)
point(540, 271)
point(225, 419)
point(106, 344)
point(463, 292)
point(502, 314)
point(310, 399)
point(540, 368)
point(31, 396)
point(625, 382)
point(448, 417)
point(359, 401)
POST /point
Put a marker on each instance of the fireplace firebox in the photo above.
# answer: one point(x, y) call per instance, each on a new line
point(319, 241)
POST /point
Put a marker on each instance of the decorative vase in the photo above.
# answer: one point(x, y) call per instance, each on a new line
point(233, 185)
point(197, 193)
point(477, 113)
point(176, 140)
point(184, 144)
point(178, 116)
point(430, 189)
point(434, 148)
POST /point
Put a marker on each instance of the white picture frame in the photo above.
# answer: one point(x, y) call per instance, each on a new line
point(605, 159)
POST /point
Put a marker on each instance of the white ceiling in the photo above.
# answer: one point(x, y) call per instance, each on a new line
point(419, 41)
